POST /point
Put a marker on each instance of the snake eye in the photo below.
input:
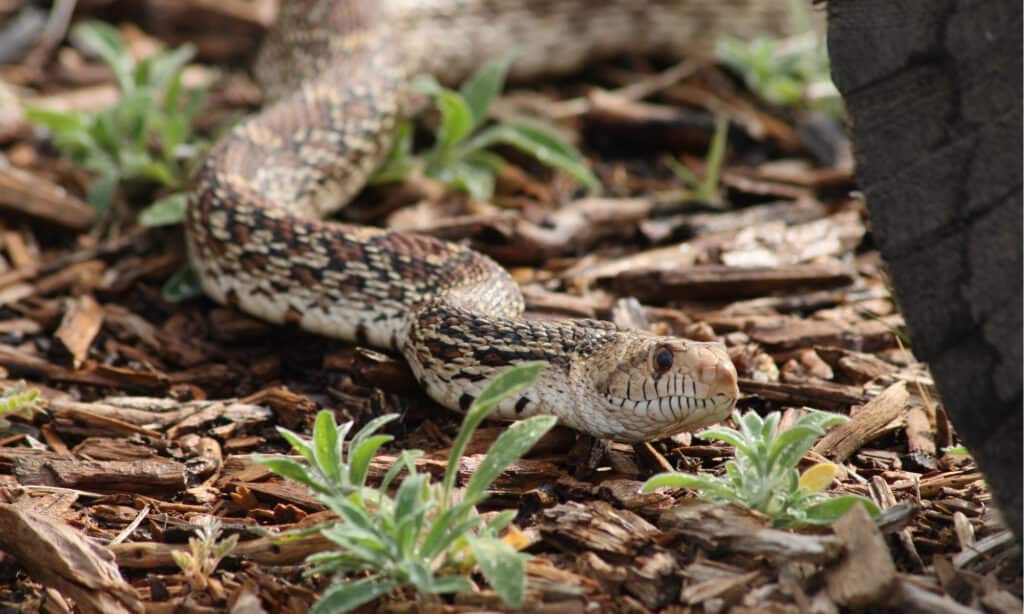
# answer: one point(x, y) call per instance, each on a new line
point(663, 359)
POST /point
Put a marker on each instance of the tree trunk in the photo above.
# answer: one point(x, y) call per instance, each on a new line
point(933, 89)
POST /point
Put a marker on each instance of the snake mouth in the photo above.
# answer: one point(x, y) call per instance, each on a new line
point(669, 407)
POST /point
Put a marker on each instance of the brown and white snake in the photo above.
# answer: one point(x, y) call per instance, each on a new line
point(335, 72)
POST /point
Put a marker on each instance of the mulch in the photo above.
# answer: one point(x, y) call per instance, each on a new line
point(154, 409)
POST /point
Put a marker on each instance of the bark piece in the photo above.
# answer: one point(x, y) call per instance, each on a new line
point(58, 556)
point(597, 526)
point(80, 325)
point(731, 528)
point(866, 575)
point(845, 439)
point(716, 281)
point(156, 476)
point(29, 194)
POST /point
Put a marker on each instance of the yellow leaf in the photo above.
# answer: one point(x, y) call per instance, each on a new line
point(818, 477)
point(516, 538)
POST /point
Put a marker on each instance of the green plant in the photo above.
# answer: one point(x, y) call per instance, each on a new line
point(145, 139)
point(763, 476)
point(792, 71)
point(206, 550)
point(460, 156)
point(421, 536)
point(18, 400)
point(705, 189)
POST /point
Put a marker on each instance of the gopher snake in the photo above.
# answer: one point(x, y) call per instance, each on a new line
point(336, 71)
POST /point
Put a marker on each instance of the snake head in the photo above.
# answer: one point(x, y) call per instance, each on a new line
point(652, 387)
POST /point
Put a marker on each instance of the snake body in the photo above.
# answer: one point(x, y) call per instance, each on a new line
point(335, 73)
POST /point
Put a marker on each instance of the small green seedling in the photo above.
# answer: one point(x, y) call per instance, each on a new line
point(143, 141)
point(205, 552)
point(18, 400)
point(460, 156)
point(763, 476)
point(791, 72)
point(705, 189)
point(422, 535)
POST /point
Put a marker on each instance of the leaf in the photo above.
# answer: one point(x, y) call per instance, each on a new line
point(832, 509)
point(287, 468)
point(326, 445)
point(359, 459)
point(426, 84)
point(56, 121)
point(465, 175)
point(105, 41)
point(450, 584)
point(456, 120)
point(509, 447)
point(503, 567)
point(727, 435)
point(713, 166)
point(100, 195)
point(407, 460)
point(685, 480)
point(818, 477)
point(505, 384)
point(350, 595)
point(486, 83)
point(166, 211)
point(181, 286)
point(543, 146)
point(448, 527)
point(298, 444)
point(165, 66)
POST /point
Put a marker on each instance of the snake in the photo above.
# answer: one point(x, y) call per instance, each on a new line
point(336, 77)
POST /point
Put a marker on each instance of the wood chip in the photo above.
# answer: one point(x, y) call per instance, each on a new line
point(842, 441)
point(731, 528)
point(79, 327)
point(58, 556)
point(866, 575)
point(30, 194)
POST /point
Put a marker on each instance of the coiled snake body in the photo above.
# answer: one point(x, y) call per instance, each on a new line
point(335, 72)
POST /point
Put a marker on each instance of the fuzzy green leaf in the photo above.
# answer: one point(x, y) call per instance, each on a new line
point(350, 595)
point(505, 384)
point(165, 211)
point(456, 119)
point(181, 286)
point(503, 567)
point(327, 445)
point(291, 470)
point(509, 447)
point(707, 483)
point(832, 509)
point(544, 146)
point(486, 83)
point(105, 41)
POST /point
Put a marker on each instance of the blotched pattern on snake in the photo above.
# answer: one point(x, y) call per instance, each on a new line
point(334, 72)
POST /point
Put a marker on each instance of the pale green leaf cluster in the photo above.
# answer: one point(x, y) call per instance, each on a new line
point(412, 532)
point(763, 476)
point(205, 552)
point(792, 71)
point(144, 140)
point(18, 400)
point(783, 72)
point(460, 156)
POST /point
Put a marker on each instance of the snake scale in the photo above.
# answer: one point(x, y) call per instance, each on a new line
point(334, 73)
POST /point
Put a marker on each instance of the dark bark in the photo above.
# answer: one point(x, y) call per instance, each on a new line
point(934, 94)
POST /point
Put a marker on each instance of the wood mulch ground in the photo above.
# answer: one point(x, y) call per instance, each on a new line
point(153, 409)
